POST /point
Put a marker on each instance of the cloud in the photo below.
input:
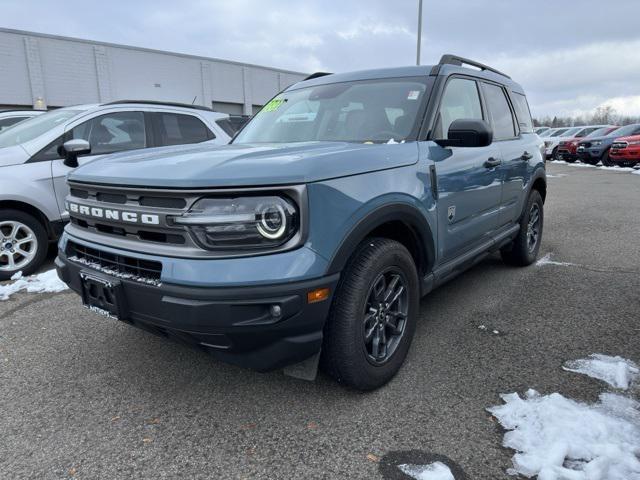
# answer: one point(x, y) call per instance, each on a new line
point(569, 59)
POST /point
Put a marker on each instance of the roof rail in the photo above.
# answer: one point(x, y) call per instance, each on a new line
point(317, 75)
point(156, 102)
point(449, 59)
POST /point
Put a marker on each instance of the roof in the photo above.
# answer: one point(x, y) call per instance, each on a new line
point(449, 64)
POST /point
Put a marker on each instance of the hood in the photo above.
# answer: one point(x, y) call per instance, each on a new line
point(630, 138)
point(13, 155)
point(244, 165)
point(604, 140)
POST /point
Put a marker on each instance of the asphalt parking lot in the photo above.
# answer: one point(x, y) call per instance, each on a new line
point(86, 397)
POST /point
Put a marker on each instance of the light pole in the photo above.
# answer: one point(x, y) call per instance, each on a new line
point(419, 31)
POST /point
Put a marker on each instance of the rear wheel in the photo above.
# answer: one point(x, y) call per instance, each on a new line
point(373, 316)
point(554, 154)
point(524, 249)
point(23, 243)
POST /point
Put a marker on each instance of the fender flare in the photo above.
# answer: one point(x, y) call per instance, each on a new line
point(402, 212)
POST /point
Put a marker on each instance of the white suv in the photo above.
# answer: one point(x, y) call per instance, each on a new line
point(37, 154)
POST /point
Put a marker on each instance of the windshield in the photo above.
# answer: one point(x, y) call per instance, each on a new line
point(362, 111)
point(558, 132)
point(571, 132)
point(34, 127)
point(624, 131)
point(599, 132)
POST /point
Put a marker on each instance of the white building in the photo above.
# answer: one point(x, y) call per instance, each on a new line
point(47, 71)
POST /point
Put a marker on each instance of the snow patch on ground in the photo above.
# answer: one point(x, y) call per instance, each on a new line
point(432, 471)
point(599, 167)
point(546, 260)
point(559, 175)
point(40, 283)
point(560, 439)
point(616, 371)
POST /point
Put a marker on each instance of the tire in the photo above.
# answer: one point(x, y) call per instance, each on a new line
point(606, 161)
point(348, 354)
point(521, 252)
point(554, 154)
point(570, 160)
point(16, 228)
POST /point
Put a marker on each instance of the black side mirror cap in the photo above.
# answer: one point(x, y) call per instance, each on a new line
point(72, 149)
point(468, 132)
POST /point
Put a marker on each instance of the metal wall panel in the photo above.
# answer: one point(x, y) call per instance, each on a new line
point(65, 71)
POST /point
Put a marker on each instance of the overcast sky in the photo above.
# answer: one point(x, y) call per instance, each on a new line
point(570, 55)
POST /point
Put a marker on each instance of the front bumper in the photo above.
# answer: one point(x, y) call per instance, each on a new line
point(590, 153)
point(567, 155)
point(234, 324)
point(629, 154)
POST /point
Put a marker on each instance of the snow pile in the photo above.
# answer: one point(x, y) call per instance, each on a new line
point(599, 167)
point(433, 471)
point(616, 371)
point(560, 439)
point(617, 169)
point(546, 260)
point(43, 282)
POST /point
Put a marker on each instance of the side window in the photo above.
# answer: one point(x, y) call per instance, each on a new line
point(50, 152)
point(460, 100)
point(499, 112)
point(178, 129)
point(522, 112)
point(113, 132)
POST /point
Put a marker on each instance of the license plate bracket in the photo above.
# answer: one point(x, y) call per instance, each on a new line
point(102, 295)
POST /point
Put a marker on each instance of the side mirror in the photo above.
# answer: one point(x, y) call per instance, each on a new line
point(72, 149)
point(468, 132)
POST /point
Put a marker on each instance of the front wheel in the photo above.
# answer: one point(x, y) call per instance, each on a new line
point(373, 316)
point(524, 249)
point(23, 243)
point(606, 161)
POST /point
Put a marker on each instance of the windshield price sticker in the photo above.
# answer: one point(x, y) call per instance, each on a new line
point(274, 104)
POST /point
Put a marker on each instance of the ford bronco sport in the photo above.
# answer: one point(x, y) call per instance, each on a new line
point(312, 236)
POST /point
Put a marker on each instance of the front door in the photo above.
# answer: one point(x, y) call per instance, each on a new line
point(468, 180)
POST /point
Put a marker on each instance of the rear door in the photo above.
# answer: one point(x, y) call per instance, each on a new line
point(469, 187)
point(107, 133)
point(516, 148)
point(179, 129)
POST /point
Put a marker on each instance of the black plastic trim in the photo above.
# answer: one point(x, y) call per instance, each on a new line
point(405, 213)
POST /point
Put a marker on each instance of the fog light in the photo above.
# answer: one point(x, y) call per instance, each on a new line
point(318, 295)
point(275, 310)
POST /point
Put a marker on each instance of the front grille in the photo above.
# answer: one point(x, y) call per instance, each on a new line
point(619, 145)
point(121, 266)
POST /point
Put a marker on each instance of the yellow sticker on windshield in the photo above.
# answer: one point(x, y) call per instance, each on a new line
point(274, 105)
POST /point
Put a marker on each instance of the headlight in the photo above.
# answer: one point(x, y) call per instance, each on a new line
point(596, 143)
point(241, 223)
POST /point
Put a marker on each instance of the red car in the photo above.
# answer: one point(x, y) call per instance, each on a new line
point(568, 149)
point(625, 151)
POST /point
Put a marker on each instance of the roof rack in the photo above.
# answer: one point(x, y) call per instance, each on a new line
point(156, 102)
point(449, 59)
point(317, 75)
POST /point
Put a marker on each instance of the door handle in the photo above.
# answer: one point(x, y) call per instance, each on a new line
point(526, 156)
point(492, 162)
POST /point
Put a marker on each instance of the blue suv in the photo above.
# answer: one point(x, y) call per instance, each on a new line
point(310, 239)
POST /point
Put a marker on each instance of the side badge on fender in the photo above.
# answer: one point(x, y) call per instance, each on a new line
point(451, 214)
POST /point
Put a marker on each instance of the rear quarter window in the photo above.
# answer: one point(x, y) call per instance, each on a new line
point(522, 112)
